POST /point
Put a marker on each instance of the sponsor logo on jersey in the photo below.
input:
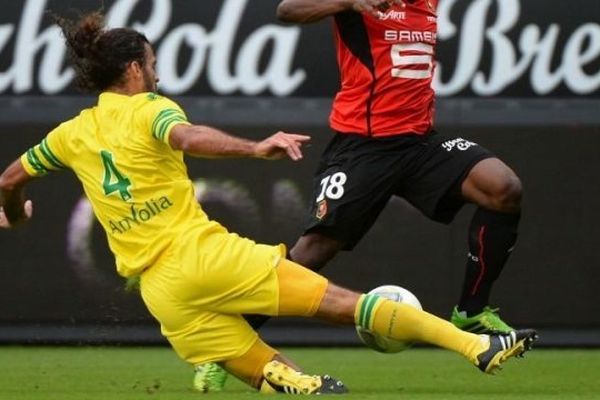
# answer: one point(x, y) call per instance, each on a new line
point(321, 209)
point(140, 214)
point(391, 35)
point(458, 143)
point(391, 15)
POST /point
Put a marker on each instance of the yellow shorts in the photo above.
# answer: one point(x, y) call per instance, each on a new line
point(201, 285)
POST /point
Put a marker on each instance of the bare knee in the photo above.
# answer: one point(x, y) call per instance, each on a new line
point(509, 194)
point(493, 185)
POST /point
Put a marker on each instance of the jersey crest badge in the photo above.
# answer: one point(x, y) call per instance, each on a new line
point(321, 209)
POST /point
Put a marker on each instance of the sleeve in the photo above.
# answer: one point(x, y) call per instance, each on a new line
point(160, 115)
point(49, 155)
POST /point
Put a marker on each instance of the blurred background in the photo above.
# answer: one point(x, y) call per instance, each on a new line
point(519, 77)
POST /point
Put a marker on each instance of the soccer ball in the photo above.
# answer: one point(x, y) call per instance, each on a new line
point(381, 343)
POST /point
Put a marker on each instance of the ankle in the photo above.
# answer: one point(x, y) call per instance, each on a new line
point(476, 346)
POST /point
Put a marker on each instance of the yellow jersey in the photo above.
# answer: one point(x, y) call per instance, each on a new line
point(137, 184)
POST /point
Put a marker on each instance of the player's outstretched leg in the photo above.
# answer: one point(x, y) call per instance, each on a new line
point(282, 378)
point(265, 369)
point(402, 322)
point(503, 346)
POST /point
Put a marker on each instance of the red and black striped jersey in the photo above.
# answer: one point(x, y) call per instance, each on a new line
point(386, 67)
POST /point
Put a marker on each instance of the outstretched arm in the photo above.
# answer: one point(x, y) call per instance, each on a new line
point(13, 207)
point(307, 11)
point(204, 141)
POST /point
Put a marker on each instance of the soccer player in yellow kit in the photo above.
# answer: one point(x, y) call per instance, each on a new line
point(196, 278)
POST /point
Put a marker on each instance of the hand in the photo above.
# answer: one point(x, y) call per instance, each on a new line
point(374, 7)
point(281, 144)
point(26, 215)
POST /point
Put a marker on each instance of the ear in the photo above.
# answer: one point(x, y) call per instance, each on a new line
point(134, 69)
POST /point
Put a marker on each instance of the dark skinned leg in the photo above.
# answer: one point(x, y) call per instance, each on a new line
point(496, 189)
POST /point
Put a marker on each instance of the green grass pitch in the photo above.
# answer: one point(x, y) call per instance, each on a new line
point(117, 373)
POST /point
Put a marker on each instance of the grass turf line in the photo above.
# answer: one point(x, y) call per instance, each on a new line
point(120, 373)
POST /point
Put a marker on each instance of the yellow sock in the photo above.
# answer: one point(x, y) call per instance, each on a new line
point(249, 367)
point(403, 322)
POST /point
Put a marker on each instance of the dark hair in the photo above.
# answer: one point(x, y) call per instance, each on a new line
point(100, 56)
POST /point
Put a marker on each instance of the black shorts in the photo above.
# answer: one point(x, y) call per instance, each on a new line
point(357, 175)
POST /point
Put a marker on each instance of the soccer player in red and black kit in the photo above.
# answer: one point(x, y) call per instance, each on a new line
point(385, 145)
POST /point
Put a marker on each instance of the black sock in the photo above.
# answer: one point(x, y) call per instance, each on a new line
point(492, 236)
